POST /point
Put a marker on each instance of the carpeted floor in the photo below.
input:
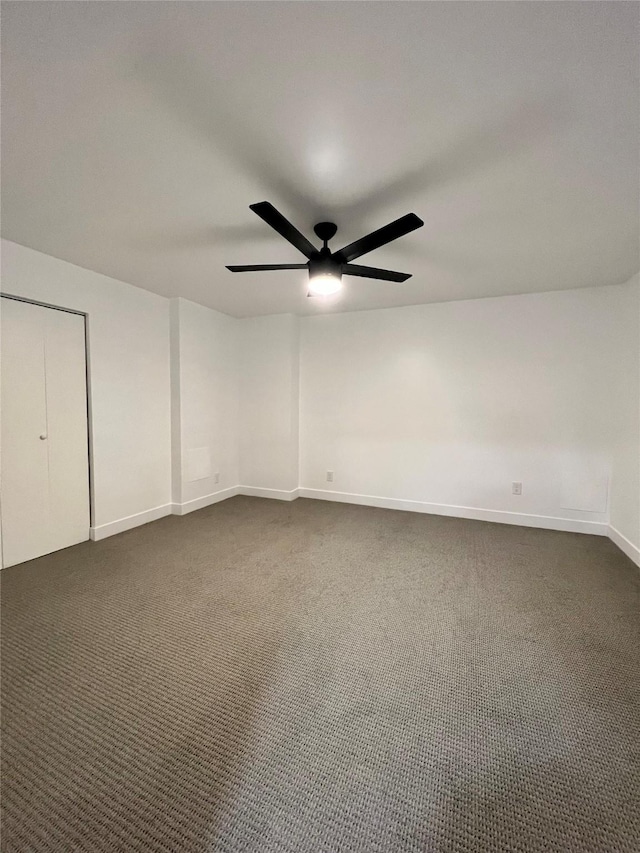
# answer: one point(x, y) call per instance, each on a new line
point(322, 678)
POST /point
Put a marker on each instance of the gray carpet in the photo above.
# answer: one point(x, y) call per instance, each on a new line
point(304, 677)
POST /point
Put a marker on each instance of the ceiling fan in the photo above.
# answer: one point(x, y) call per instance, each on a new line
point(326, 268)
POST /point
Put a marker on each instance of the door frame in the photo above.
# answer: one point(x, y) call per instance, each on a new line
point(85, 317)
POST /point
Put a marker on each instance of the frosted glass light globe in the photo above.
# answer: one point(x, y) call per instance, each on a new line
point(324, 285)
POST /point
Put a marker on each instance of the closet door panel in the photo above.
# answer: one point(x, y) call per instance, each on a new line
point(23, 466)
point(67, 441)
point(44, 466)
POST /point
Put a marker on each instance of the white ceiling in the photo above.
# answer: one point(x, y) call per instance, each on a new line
point(135, 135)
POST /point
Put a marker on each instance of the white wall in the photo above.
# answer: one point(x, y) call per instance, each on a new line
point(205, 357)
point(625, 486)
point(269, 395)
point(130, 389)
point(436, 407)
point(447, 404)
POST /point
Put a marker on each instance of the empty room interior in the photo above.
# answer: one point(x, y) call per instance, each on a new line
point(320, 427)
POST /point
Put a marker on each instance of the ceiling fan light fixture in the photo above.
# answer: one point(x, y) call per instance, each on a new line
point(324, 284)
point(326, 268)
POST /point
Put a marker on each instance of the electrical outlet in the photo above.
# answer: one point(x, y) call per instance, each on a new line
point(216, 477)
point(516, 488)
point(329, 476)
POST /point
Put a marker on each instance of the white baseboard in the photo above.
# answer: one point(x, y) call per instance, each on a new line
point(104, 530)
point(570, 525)
point(625, 545)
point(277, 494)
point(127, 523)
point(201, 503)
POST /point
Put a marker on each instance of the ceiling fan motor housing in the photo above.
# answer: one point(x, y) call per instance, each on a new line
point(324, 264)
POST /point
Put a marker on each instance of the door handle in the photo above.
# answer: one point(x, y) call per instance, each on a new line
point(43, 438)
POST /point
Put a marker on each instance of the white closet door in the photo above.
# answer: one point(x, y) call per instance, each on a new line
point(25, 480)
point(44, 462)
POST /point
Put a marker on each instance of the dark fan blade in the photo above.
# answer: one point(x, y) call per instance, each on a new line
point(378, 238)
point(374, 272)
point(276, 220)
point(259, 267)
